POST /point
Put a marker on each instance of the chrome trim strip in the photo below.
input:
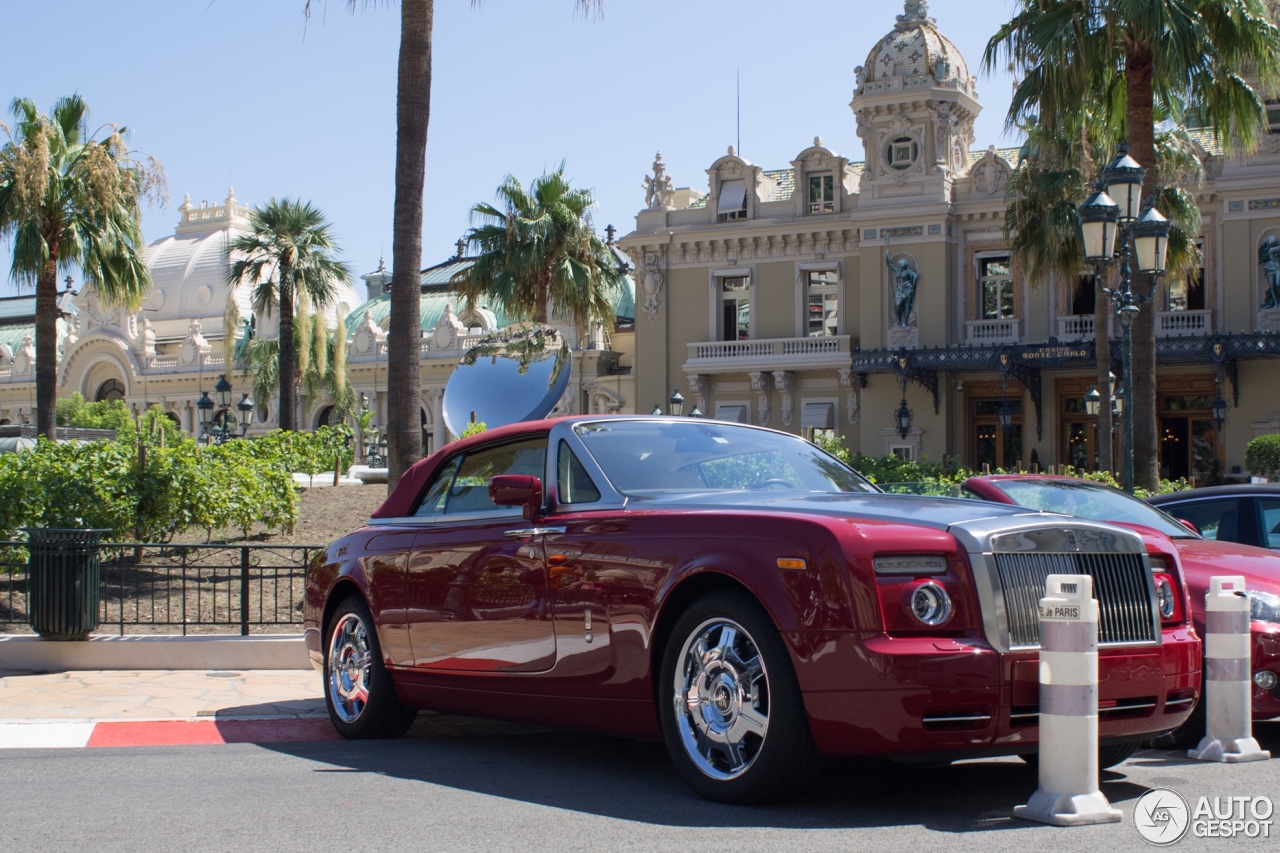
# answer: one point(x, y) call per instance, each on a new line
point(535, 531)
point(977, 718)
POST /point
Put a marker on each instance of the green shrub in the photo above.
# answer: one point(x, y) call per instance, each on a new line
point(1262, 456)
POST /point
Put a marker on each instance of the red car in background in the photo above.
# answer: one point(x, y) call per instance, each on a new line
point(1200, 559)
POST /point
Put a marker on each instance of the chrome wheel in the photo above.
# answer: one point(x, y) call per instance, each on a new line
point(721, 698)
point(350, 667)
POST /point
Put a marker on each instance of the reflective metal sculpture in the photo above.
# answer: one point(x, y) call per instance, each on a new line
point(518, 374)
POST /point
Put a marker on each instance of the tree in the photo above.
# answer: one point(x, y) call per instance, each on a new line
point(1138, 60)
point(538, 250)
point(413, 113)
point(70, 198)
point(288, 256)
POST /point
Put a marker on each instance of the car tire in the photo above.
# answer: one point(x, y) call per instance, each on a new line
point(746, 739)
point(358, 691)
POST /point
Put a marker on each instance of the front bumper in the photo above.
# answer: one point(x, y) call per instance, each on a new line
point(886, 695)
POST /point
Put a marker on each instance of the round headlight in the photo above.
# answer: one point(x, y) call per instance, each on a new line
point(1164, 597)
point(930, 604)
point(1266, 679)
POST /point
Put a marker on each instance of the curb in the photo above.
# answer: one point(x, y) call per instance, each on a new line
point(80, 734)
point(154, 651)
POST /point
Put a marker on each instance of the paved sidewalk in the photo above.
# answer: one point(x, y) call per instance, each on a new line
point(161, 695)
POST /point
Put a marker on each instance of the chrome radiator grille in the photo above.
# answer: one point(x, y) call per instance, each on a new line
point(1126, 612)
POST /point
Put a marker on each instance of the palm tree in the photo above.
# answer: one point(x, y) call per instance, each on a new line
point(413, 114)
point(538, 250)
point(1138, 60)
point(69, 199)
point(287, 256)
point(323, 372)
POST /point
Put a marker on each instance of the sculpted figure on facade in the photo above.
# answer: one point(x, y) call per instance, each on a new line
point(659, 191)
point(1269, 258)
point(651, 285)
point(905, 280)
point(991, 173)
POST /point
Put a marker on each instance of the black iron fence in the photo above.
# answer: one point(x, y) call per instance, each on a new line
point(148, 587)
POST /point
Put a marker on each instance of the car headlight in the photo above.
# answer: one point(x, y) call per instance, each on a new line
point(1164, 597)
point(1264, 606)
point(930, 604)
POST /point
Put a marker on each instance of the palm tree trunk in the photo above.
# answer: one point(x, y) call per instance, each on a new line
point(540, 310)
point(47, 345)
point(288, 361)
point(1140, 128)
point(1102, 347)
point(404, 346)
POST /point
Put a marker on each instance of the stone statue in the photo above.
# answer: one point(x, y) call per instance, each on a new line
point(1269, 258)
point(859, 78)
point(904, 290)
point(659, 192)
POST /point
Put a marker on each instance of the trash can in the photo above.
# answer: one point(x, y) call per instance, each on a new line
point(63, 578)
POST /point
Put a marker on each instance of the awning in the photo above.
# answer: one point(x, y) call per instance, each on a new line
point(733, 196)
point(733, 414)
point(818, 416)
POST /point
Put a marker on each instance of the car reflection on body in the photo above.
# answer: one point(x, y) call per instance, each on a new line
point(732, 590)
point(1200, 557)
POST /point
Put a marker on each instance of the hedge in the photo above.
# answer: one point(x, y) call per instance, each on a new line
point(1262, 456)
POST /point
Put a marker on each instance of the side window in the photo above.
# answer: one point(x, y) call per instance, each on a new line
point(573, 481)
point(1269, 522)
point(433, 501)
point(1215, 519)
point(470, 492)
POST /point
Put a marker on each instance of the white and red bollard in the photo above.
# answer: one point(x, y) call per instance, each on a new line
point(1068, 794)
point(1228, 685)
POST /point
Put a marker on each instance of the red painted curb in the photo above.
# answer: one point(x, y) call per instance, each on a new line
point(196, 732)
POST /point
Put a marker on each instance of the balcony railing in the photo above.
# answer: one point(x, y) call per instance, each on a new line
point(735, 356)
point(1174, 323)
point(1075, 327)
point(992, 331)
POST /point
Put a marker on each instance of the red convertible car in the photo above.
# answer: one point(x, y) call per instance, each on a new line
point(1200, 558)
point(732, 590)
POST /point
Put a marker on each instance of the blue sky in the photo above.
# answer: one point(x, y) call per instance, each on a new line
point(240, 92)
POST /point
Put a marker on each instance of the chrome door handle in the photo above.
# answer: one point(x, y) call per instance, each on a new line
point(535, 531)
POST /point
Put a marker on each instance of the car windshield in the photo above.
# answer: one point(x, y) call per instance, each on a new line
point(1089, 500)
point(651, 456)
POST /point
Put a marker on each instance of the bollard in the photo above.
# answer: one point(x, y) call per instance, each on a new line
point(1228, 688)
point(1068, 794)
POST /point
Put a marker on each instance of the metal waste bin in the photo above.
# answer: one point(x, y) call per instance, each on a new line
point(63, 579)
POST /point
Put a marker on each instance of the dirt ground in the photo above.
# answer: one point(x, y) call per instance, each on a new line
point(324, 514)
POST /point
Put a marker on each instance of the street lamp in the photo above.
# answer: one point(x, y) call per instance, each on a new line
point(903, 416)
point(217, 421)
point(1006, 417)
point(1219, 409)
point(695, 412)
point(1110, 212)
point(676, 404)
point(657, 410)
point(1093, 402)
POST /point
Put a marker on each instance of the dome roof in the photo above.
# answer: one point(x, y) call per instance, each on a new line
point(914, 51)
point(189, 269)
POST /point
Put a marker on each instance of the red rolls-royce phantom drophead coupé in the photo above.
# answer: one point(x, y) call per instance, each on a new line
point(732, 590)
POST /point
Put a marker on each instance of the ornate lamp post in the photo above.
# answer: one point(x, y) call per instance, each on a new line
point(903, 416)
point(1219, 409)
point(217, 420)
point(657, 410)
point(675, 404)
point(1111, 211)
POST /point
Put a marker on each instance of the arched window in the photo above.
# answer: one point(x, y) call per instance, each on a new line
point(112, 389)
point(177, 422)
point(325, 418)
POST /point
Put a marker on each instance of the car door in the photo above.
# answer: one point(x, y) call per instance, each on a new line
point(1222, 519)
point(1268, 510)
point(477, 578)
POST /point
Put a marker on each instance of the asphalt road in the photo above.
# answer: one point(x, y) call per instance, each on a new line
point(490, 787)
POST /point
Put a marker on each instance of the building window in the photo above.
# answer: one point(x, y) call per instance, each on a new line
point(732, 201)
point(1187, 293)
point(1273, 116)
point(821, 303)
point(902, 152)
point(822, 198)
point(109, 391)
point(1085, 298)
point(735, 308)
point(995, 283)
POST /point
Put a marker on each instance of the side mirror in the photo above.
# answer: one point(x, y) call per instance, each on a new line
point(1189, 526)
point(517, 490)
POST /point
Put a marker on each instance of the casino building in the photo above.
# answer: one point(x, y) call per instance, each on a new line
point(823, 294)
